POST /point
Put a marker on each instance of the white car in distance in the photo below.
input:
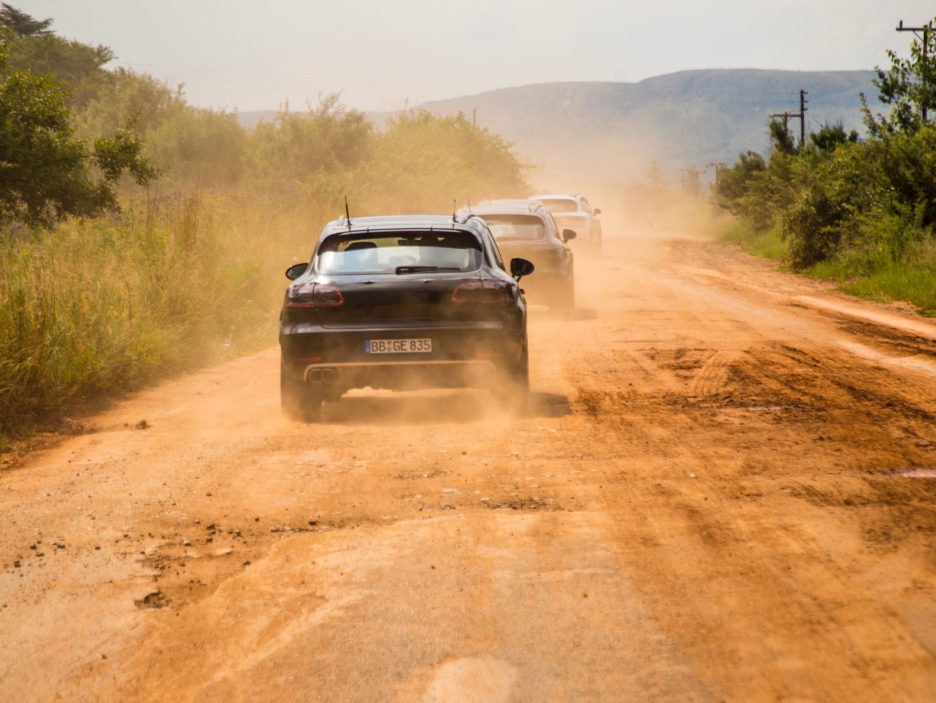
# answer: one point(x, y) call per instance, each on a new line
point(576, 213)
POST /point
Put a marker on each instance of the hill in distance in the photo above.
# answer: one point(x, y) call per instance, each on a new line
point(610, 132)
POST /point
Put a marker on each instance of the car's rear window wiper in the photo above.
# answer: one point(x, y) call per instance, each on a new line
point(421, 269)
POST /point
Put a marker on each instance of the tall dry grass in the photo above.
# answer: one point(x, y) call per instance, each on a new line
point(101, 307)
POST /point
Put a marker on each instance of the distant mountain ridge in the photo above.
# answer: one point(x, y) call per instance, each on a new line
point(612, 131)
point(685, 119)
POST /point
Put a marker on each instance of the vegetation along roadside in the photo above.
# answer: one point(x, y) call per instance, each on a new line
point(857, 210)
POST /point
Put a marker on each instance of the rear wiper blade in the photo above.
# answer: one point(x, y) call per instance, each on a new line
point(420, 269)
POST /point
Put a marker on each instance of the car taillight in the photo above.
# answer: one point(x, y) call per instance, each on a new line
point(482, 292)
point(328, 296)
point(313, 295)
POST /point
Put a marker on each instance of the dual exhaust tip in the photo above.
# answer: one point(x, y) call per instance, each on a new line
point(321, 375)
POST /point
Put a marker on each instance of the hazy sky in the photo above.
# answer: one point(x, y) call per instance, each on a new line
point(379, 55)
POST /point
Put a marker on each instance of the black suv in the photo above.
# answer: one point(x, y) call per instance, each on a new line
point(402, 302)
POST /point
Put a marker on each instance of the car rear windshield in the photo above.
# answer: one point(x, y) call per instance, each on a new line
point(559, 204)
point(515, 226)
point(399, 252)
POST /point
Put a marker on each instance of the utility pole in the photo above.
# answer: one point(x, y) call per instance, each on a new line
point(801, 116)
point(926, 30)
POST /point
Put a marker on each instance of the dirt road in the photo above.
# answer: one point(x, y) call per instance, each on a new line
point(724, 489)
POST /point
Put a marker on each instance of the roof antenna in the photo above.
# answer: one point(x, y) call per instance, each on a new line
point(347, 212)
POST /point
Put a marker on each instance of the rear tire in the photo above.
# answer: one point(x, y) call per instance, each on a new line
point(513, 389)
point(298, 399)
point(521, 375)
point(564, 300)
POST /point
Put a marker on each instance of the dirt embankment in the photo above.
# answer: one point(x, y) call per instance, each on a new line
point(722, 490)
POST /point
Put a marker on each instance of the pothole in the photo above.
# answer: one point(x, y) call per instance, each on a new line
point(156, 599)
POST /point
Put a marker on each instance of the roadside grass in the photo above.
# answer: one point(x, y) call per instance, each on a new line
point(891, 281)
point(766, 243)
point(867, 275)
point(97, 308)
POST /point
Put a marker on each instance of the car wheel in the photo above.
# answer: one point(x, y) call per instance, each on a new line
point(298, 400)
point(564, 299)
point(513, 385)
point(521, 375)
point(596, 240)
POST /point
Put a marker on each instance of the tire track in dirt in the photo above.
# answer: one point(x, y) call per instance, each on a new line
point(711, 560)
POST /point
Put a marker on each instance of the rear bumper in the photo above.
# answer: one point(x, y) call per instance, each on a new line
point(460, 356)
point(400, 375)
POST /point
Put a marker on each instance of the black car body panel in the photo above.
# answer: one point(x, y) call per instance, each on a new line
point(401, 302)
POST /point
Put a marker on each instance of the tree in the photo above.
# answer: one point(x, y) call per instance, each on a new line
point(302, 152)
point(46, 173)
point(732, 184)
point(21, 24)
point(32, 46)
point(830, 136)
point(781, 138)
point(422, 162)
point(908, 86)
point(192, 147)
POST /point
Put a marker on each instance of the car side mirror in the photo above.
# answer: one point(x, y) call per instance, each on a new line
point(568, 234)
point(520, 268)
point(296, 270)
point(597, 210)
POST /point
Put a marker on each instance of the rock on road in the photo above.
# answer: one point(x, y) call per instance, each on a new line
point(724, 489)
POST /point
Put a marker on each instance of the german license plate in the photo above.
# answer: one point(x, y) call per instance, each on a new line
point(397, 346)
